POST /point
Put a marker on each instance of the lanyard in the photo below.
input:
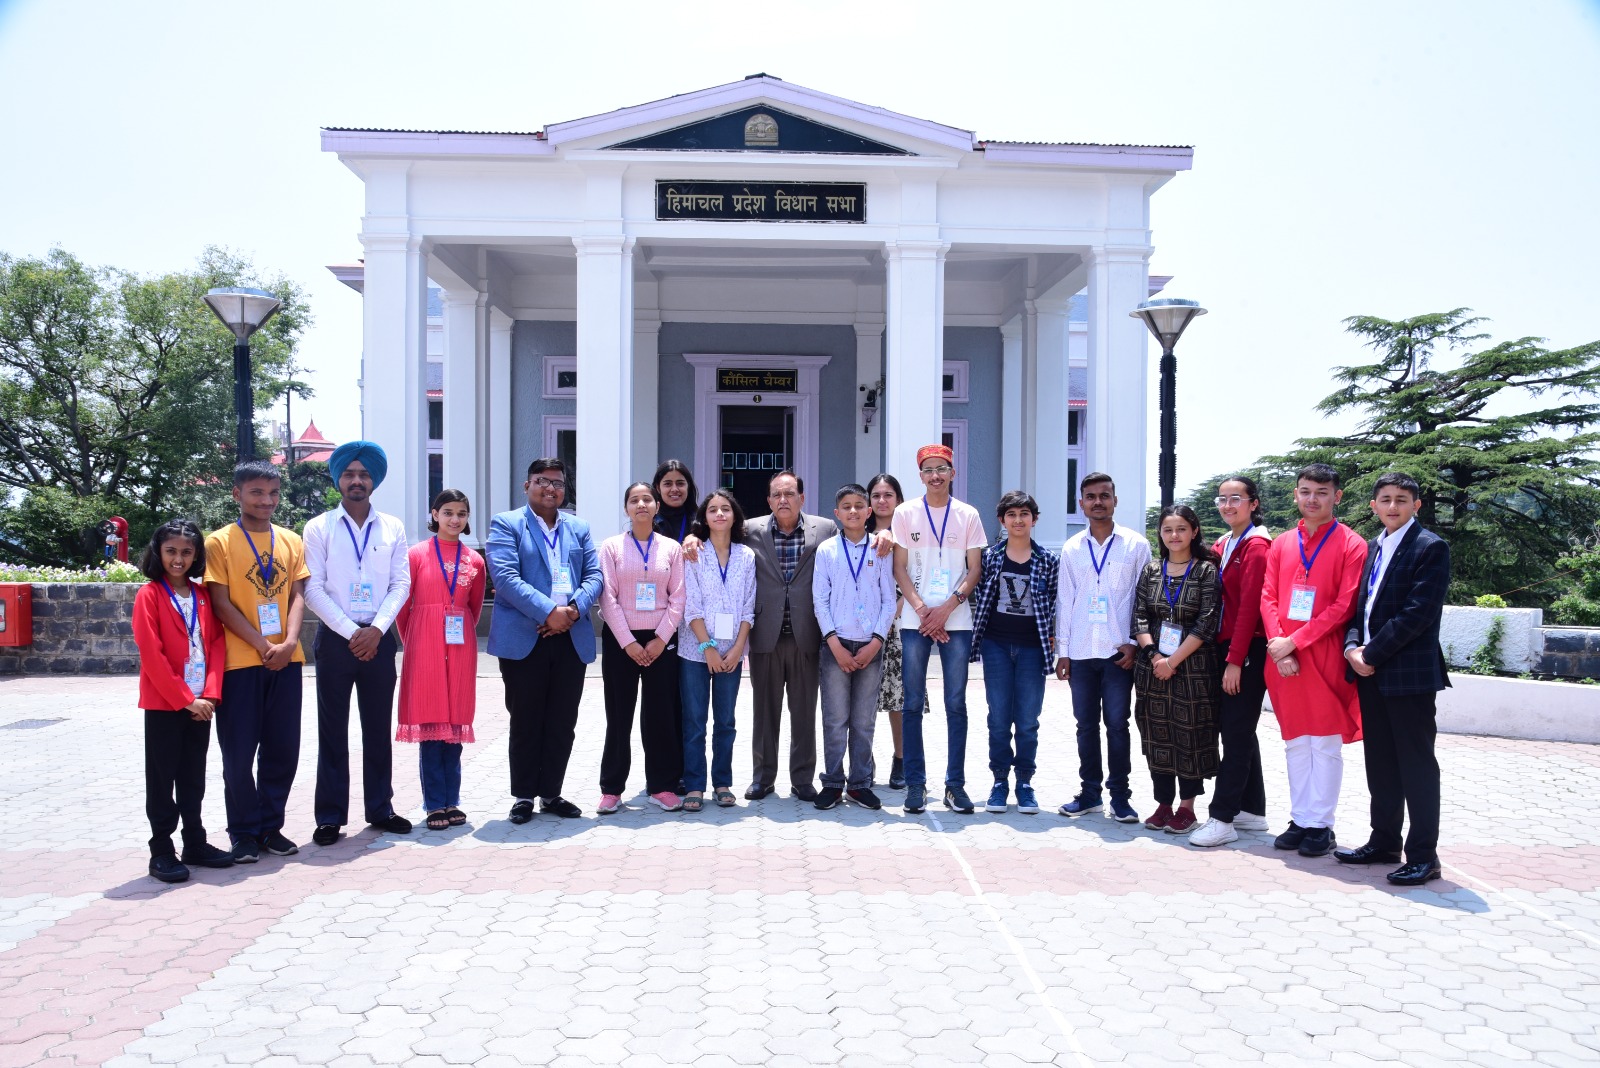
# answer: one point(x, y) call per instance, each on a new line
point(1100, 564)
point(721, 567)
point(267, 568)
point(683, 528)
point(1377, 566)
point(365, 538)
point(1232, 545)
point(454, 576)
point(861, 561)
point(1167, 591)
point(555, 535)
point(942, 526)
point(1301, 534)
point(644, 550)
point(191, 618)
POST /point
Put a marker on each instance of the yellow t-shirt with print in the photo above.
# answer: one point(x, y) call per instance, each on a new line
point(231, 562)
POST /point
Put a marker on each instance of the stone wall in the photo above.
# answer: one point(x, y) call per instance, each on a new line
point(1571, 652)
point(78, 628)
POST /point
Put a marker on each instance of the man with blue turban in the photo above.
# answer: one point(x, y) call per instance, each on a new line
point(360, 578)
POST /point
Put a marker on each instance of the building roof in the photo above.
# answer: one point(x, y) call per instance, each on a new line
point(312, 436)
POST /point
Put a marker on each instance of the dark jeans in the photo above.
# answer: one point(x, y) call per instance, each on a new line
point(1397, 737)
point(1239, 787)
point(915, 649)
point(698, 691)
point(440, 766)
point(1103, 692)
point(660, 724)
point(1013, 683)
point(1170, 787)
point(338, 672)
point(542, 694)
point(174, 762)
point(258, 719)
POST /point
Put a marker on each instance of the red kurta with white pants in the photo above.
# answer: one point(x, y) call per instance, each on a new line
point(438, 682)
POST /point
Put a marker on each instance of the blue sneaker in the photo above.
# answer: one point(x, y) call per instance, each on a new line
point(998, 798)
point(1027, 804)
point(1123, 812)
point(916, 799)
point(1080, 805)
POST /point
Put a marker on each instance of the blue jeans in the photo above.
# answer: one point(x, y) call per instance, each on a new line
point(699, 691)
point(915, 650)
point(440, 765)
point(1013, 682)
point(1102, 690)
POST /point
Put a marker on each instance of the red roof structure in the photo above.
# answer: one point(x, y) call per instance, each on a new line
point(309, 446)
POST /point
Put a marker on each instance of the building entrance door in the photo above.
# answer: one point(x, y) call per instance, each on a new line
point(757, 441)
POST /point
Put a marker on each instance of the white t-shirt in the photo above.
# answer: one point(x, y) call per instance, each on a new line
point(937, 566)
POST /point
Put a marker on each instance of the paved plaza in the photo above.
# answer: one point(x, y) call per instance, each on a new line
point(772, 933)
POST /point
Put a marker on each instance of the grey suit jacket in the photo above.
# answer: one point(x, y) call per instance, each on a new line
point(771, 592)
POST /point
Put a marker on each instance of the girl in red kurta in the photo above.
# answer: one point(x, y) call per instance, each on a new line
point(438, 681)
point(182, 654)
point(1307, 598)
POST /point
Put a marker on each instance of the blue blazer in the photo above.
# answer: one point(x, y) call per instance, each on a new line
point(519, 560)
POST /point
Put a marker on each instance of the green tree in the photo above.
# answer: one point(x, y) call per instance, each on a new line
point(116, 396)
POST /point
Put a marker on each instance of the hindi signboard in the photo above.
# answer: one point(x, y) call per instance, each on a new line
point(762, 201)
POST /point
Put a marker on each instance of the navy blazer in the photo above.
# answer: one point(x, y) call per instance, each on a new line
point(1405, 618)
point(519, 560)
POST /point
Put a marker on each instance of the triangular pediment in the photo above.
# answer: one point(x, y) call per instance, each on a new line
point(761, 129)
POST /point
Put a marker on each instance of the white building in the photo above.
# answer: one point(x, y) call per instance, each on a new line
point(752, 276)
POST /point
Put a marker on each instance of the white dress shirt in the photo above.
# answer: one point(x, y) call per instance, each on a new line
point(1124, 555)
point(332, 539)
point(1388, 545)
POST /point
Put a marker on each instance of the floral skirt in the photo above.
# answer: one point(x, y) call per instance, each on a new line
point(892, 692)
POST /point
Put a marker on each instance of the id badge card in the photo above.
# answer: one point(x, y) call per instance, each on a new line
point(455, 628)
point(644, 596)
point(864, 619)
point(1099, 608)
point(268, 620)
point(561, 580)
point(722, 626)
point(194, 674)
point(938, 590)
point(1171, 638)
point(361, 598)
point(1301, 602)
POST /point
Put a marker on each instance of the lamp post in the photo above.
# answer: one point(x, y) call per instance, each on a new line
point(1167, 318)
point(243, 312)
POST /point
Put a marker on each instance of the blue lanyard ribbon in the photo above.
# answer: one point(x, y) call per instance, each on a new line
point(1238, 540)
point(1100, 564)
point(189, 621)
point(1167, 591)
point(942, 527)
point(555, 534)
point(361, 550)
point(644, 550)
point(861, 561)
point(1301, 534)
point(454, 576)
point(267, 568)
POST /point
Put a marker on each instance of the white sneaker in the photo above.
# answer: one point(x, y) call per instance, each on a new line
point(1214, 833)
point(1249, 821)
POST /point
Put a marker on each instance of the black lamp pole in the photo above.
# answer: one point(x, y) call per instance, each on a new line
point(243, 402)
point(1167, 318)
point(243, 312)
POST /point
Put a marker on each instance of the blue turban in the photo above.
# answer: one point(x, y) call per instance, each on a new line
point(371, 455)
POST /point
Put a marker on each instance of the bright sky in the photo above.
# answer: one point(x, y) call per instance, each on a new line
point(1352, 158)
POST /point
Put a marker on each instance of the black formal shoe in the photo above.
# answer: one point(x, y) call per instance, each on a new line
point(828, 796)
point(326, 834)
point(1291, 838)
point(167, 869)
point(1318, 842)
point(392, 824)
point(207, 855)
point(560, 806)
point(897, 774)
point(865, 798)
point(1367, 854)
point(521, 812)
point(1424, 871)
point(805, 792)
point(757, 792)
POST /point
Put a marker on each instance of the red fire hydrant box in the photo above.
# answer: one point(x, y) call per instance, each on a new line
point(16, 613)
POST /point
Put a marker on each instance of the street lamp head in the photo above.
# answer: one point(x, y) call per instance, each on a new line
point(1167, 318)
point(242, 311)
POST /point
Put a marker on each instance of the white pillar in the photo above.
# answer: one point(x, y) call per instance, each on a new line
point(869, 369)
point(1119, 376)
point(394, 373)
point(646, 387)
point(1050, 398)
point(1029, 416)
point(502, 466)
point(605, 362)
point(1011, 403)
point(461, 416)
point(914, 359)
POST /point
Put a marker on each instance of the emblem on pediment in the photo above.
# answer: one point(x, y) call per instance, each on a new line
point(761, 131)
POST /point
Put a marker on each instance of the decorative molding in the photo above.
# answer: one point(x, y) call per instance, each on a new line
point(957, 429)
point(959, 370)
point(553, 425)
point(708, 405)
point(553, 366)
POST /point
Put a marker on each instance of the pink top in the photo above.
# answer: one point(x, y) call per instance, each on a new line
point(622, 566)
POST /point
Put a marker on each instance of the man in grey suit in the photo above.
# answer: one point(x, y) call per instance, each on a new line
point(785, 641)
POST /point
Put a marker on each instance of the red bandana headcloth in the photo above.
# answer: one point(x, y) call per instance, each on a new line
point(941, 451)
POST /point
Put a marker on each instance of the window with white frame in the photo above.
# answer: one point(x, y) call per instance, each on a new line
point(954, 383)
point(954, 437)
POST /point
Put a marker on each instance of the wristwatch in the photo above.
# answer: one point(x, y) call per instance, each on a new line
point(961, 598)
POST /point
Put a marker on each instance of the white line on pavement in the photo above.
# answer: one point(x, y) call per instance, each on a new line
point(1519, 903)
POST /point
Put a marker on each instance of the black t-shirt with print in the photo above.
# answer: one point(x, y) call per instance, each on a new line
point(1013, 617)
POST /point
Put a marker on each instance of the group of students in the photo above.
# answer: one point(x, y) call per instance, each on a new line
point(850, 609)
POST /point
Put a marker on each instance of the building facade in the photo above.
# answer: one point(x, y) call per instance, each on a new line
point(750, 277)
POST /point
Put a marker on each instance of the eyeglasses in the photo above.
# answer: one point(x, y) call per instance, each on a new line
point(548, 483)
point(785, 496)
point(941, 470)
point(1234, 499)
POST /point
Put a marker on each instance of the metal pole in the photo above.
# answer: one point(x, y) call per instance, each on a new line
point(243, 403)
point(1169, 424)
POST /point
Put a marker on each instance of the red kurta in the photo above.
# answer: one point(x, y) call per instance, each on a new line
point(1318, 701)
point(438, 682)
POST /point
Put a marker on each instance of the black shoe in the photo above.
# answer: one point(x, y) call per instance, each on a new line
point(805, 792)
point(168, 870)
point(275, 843)
point(1424, 871)
point(521, 812)
point(828, 796)
point(392, 824)
point(865, 798)
point(1291, 838)
point(206, 855)
point(1367, 854)
point(245, 851)
point(560, 806)
point(757, 792)
point(326, 834)
point(1317, 842)
point(956, 800)
point(897, 774)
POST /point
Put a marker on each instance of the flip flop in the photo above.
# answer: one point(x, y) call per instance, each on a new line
point(457, 817)
point(438, 821)
point(693, 804)
point(724, 797)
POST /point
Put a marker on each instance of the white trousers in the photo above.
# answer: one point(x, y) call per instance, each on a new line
point(1316, 769)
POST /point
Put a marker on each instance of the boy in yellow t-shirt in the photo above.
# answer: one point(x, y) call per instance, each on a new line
point(256, 574)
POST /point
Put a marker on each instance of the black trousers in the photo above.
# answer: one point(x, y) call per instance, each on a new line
point(175, 748)
point(1397, 736)
point(1169, 788)
point(660, 716)
point(338, 672)
point(1239, 786)
point(542, 694)
point(258, 730)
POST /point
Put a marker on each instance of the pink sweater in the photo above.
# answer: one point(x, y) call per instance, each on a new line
point(622, 566)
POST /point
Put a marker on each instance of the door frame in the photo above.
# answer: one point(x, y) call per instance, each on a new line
point(709, 403)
